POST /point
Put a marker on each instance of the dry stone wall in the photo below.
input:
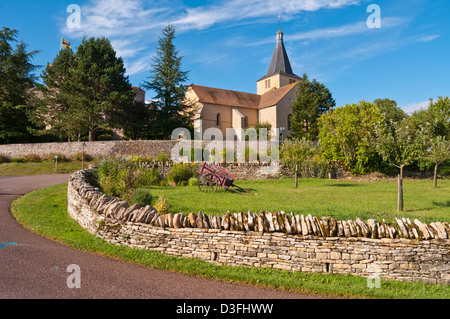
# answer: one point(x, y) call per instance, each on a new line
point(404, 250)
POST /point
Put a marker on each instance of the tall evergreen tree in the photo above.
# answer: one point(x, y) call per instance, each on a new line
point(101, 89)
point(55, 109)
point(16, 83)
point(167, 80)
point(312, 100)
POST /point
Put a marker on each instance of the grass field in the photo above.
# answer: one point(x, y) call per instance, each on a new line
point(44, 167)
point(342, 199)
point(45, 212)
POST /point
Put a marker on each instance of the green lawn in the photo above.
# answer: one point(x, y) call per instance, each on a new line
point(44, 167)
point(341, 199)
point(45, 212)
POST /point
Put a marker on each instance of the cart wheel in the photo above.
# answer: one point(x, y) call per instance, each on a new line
point(207, 183)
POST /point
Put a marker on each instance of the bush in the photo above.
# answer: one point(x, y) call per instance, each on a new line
point(141, 159)
point(81, 156)
point(150, 177)
point(4, 158)
point(161, 205)
point(141, 196)
point(120, 177)
point(61, 157)
point(162, 157)
point(180, 173)
point(32, 158)
point(192, 181)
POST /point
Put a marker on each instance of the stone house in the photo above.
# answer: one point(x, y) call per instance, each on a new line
point(224, 109)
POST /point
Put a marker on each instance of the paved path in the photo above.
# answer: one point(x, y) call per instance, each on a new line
point(37, 267)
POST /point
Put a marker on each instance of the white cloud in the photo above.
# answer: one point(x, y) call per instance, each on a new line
point(429, 38)
point(234, 10)
point(410, 108)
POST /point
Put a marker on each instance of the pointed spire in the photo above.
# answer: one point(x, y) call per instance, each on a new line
point(280, 61)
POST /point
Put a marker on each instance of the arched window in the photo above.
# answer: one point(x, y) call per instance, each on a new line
point(218, 120)
point(244, 122)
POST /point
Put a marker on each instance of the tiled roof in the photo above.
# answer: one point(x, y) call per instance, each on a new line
point(240, 99)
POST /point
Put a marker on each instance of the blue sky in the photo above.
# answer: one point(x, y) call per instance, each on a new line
point(228, 44)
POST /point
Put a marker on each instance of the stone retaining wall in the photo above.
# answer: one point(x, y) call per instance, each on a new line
point(311, 245)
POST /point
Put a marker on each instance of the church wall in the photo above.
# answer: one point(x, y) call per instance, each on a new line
point(284, 108)
point(268, 115)
point(210, 111)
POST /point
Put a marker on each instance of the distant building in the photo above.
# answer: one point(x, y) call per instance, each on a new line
point(222, 109)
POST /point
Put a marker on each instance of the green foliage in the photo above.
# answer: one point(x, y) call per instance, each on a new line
point(86, 92)
point(346, 133)
point(161, 157)
point(192, 181)
point(312, 100)
point(296, 151)
point(399, 144)
point(61, 157)
point(81, 156)
point(161, 205)
point(141, 196)
point(16, 84)
point(32, 158)
point(4, 158)
point(120, 178)
point(169, 109)
point(180, 173)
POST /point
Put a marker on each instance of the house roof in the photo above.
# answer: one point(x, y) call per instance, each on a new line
point(240, 99)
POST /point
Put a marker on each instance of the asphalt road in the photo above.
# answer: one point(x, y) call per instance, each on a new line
point(36, 267)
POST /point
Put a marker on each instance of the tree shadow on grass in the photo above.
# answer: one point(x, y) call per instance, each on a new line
point(343, 185)
point(444, 204)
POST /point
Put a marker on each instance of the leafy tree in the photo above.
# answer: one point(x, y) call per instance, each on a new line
point(101, 89)
point(16, 84)
point(167, 80)
point(440, 113)
point(345, 135)
point(437, 153)
point(312, 100)
point(295, 152)
point(399, 145)
point(390, 110)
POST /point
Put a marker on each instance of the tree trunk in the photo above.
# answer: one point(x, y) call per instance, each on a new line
point(400, 190)
point(296, 175)
point(435, 175)
point(91, 135)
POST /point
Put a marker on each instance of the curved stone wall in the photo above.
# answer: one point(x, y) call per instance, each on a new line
point(404, 250)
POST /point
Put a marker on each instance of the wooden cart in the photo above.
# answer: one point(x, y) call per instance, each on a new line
point(211, 176)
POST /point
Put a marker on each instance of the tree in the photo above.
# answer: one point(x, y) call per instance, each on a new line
point(167, 80)
point(101, 90)
point(399, 145)
point(295, 152)
point(345, 135)
point(438, 152)
point(390, 110)
point(312, 100)
point(440, 112)
point(56, 110)
point(16, 83)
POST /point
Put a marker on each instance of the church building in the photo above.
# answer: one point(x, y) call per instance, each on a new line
point(222, 109)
